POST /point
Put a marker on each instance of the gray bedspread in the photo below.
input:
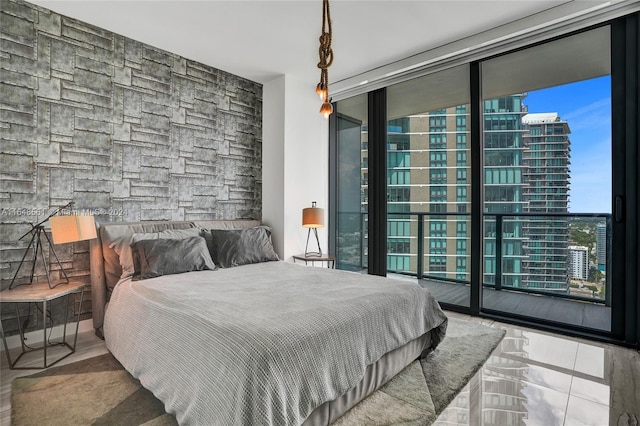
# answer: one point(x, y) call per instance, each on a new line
point(261, 344)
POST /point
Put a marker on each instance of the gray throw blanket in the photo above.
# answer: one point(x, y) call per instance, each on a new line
point(261, 344)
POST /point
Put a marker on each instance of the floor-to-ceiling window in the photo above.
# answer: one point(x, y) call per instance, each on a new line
point(547, 180)
point(508, 182)
point(428, 179)
point(351, 185)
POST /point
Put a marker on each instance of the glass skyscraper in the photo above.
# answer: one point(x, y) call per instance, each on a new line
point(526, 170)
point(504, 186)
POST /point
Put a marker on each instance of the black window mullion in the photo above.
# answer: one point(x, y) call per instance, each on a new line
point(377, 205)
point(625, 96)
point(476, 189)
point(633, 177)
point(333, 182)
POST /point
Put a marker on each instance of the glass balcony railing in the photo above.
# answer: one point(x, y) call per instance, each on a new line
point(555, 254)
point(558, 254)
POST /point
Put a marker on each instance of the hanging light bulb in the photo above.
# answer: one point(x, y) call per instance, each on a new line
point(326, 109)
point(321, 90)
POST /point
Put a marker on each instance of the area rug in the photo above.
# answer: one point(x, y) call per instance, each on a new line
point(98, 391)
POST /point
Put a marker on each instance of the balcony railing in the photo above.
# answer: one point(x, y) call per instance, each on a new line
point(524, 252)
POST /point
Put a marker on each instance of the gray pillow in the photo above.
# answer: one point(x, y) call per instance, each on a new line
point(230, 248)
point(154, 258)
point(122, 245)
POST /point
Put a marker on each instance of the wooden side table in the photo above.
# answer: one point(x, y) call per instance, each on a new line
point(41, 293)
point(330, 260)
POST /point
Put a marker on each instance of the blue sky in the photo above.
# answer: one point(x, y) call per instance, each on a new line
point(586, 107)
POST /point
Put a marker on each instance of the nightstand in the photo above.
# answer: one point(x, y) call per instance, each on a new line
point(41, 293)
point(330, 260)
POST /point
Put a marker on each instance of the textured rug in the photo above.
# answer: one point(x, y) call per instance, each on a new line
point(98, 391)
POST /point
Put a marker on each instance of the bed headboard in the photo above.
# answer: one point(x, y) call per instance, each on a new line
point(105, 264)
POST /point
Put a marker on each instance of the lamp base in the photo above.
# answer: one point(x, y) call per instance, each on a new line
point(308, 253)
point(312, 254)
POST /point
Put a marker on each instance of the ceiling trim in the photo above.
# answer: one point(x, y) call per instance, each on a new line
point(560, 20)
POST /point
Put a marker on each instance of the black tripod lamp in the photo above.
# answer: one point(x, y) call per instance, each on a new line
point(64, 229)
point(313, 218)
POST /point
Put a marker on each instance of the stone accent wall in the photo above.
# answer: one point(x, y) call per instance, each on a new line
point(127, 131)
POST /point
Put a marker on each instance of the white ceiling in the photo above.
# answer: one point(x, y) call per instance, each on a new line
point(261, 40)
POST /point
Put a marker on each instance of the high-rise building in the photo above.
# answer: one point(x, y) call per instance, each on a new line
point(504, 187)
point(439, 142)
point(579, 262)
point(427, 172)
point(526, 170)
point(601, 246)
point(546, 190)
point(399, 159)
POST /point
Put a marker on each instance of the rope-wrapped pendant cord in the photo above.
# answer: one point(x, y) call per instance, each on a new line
point(325, 52)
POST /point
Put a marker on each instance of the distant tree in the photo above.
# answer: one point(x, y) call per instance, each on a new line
point(595, 275)
point(581, 238)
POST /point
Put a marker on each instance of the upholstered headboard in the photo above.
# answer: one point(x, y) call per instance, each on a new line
point(105, 264)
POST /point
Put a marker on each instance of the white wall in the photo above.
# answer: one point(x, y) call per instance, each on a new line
point(294, 161)
point(273, 115)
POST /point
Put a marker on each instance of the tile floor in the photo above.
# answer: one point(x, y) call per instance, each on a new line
point(539, 378)
point(532, 378)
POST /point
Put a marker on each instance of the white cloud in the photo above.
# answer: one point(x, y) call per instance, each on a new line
point(595, 115)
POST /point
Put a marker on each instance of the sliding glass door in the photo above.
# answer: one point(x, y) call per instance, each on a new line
point(508, 184)
point(548, 183)
point(428, 182)
point(350, 196)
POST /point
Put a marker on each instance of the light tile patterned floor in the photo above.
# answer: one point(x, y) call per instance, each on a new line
point(538, 378)
point(532, 378)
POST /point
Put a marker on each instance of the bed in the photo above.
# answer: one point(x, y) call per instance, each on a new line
point(259, 341)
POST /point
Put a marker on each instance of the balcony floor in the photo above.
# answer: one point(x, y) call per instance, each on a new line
point(565, 311)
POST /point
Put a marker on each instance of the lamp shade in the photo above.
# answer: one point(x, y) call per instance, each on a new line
point(313, 217)
point(68, 229)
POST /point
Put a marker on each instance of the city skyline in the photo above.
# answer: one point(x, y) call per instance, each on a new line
point(528, 139)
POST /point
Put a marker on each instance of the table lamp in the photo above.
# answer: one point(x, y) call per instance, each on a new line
point(313, 218)
point(64, 229)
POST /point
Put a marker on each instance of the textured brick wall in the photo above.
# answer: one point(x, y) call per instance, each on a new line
point(125, 130)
